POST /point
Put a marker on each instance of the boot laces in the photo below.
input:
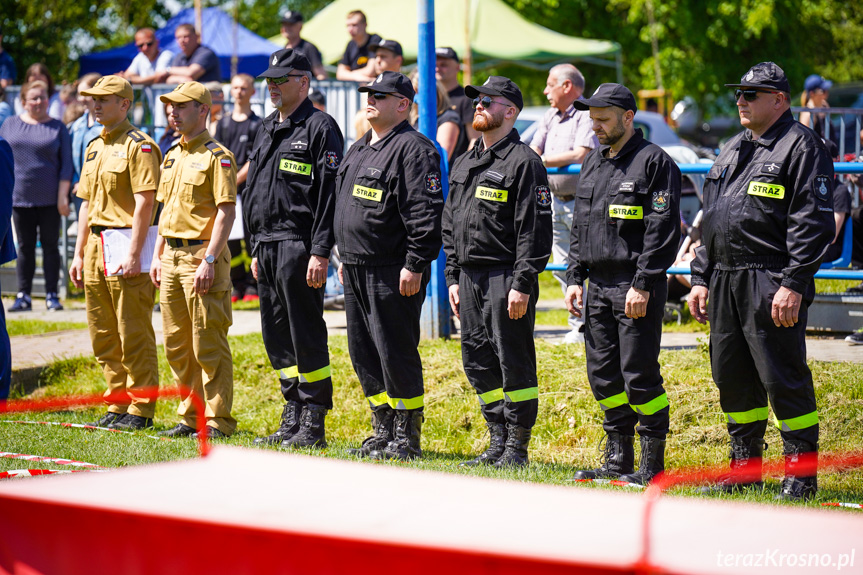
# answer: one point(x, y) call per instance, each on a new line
point(607, 451)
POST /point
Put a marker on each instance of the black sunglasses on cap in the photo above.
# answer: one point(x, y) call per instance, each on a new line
point(486, 101)
point(751, 95)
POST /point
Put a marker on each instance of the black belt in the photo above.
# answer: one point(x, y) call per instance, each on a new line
point(180, 242)
point(99, 229)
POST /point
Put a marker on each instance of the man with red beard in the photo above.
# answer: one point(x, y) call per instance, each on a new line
point(496, 246)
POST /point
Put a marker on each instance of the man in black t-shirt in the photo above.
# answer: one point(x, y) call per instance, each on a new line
point(195, 62)
point(237, 132)
point(358, 63)
point(292, 25)
point(446, 70)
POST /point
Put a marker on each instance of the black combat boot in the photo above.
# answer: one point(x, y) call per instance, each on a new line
point(801, 463)
point(515, 449)
point(618, 458)
point(406, 437)
point(496, 445)
point(651, 463)
point(382, 423)
point(288, 425)
point(746, 457)
point(311, 432)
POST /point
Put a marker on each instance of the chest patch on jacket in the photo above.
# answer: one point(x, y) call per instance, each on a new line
point(367, 193)
point(295, 167)
point(625, 212)
point(484, 193)
point(765, 190)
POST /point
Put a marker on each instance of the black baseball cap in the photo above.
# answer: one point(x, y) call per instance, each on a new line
point(446, 52)
point(390, 83)
point(291, 17)
point(285, 61)
point(764, 75)
point(607, 95)
point(390, 45)
point(497, 86)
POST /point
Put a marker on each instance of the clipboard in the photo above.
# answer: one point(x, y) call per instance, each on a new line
point(115, 248)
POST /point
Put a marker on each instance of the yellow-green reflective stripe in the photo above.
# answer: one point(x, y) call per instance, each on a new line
point(491, 396)
point(652, 406)
point(406, 402)
point(295, 167)
point(316, 375)
point(289, 372)
point(613, 401)
point(379, 399)
point(522, 394)
point(751, 416)
point(796, 423)
point(625, 212)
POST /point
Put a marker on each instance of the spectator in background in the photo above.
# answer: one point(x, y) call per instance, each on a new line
point(318, 100)
point(171, 136)
point(816, 90)
point(150, 63)
point(841, 208)
point(7, 66)
point(388, 56)
point(237, 132)
point(196, 62)
point(43, 175)
point(218, 97)
point(357, 64)
point(292, 25)
point(448, 121)
point(446, 70)
point(40, 72)
point(5, 109)
point(564, 137)
point(82, 131)
point(7, 254)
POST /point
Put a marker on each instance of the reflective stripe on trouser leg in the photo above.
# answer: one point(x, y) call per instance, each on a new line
point(750, 416)
point(797, 423)
point(311, 377)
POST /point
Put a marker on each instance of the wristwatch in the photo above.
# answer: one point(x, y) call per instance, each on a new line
point(209, 258)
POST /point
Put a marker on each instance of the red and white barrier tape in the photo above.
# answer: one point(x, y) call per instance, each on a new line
point(37, 472)
point(82, 426)
point(56, 460)
point(850, 505)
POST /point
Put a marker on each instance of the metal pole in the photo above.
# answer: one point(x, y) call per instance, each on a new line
point(435, 315)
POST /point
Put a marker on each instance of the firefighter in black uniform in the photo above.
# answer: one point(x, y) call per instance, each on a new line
point(624, 236)
point(388, 210)
point(497, 239)
point(768, 219)
point(290, 201)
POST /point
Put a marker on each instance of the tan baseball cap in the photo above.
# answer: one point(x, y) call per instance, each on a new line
point(111, 85)
point(188, 92)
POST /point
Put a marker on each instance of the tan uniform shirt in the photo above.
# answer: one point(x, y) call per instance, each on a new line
point(117, 165)
point(197, 176)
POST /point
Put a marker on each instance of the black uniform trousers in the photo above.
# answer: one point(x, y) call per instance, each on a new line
point(498, 352)
point(623, 360)
point(42, 222)
point(753, 360)
point(292, 323)
point(383, 335)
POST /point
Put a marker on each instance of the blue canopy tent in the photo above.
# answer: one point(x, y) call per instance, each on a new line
point(218, 34)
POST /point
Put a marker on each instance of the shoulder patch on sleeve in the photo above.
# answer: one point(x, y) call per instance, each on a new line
point(136, 135)
point(213, 146)
point(433, 183)
point(332, 160)
point(147, 148)
point(225, 162)
point(543, 196)
point(661, 201)
point(823, 185)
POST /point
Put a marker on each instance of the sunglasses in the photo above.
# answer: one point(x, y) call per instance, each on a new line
point(751, 95)
point(282, 80)
point(485, 101)
point(379, 95)
point(145, 44)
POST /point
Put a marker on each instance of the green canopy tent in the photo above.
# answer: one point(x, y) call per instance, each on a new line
point(497, 33)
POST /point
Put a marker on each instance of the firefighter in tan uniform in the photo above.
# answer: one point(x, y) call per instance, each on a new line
point(191, 263)
point(118, 183)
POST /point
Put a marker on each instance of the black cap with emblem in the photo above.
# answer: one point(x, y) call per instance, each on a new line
point(446, 52)
point(764, 75)
point(390, 45)
point(390, 83)
point(497, 86)
point(608, 95)
point(291, 17)
point(283, 62)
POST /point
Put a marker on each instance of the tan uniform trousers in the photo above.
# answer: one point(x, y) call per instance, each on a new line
point(120, 315)
point(195, 329)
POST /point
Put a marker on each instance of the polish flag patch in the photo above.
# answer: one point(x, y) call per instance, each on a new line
point(146, 148)
point(225, 162)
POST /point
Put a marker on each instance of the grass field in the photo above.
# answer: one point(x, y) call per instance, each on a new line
point(35, 327)
point(565, 437)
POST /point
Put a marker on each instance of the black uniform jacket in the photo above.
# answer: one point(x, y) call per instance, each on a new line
point(290, 192)
point(626, 225)
point(768, 203)
point(498, 213)
point(389, 201)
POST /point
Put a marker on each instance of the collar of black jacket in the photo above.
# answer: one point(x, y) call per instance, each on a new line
point(501, 148)
point(303, 111)
point(628, 147)
point(402, 126)
point(768, 137)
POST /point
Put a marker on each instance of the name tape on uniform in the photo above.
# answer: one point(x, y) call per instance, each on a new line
point(368, 193)
point(764, 190)
point(626, 212)
point(295, 167)
point(484, 193)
